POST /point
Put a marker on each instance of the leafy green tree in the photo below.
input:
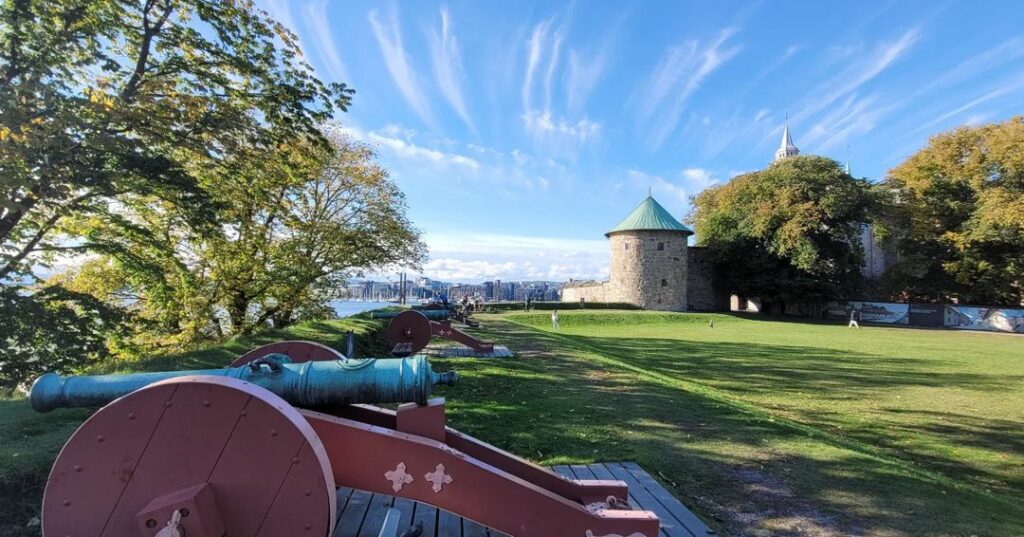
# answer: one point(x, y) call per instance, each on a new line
point(52, 329)
point(956, 217)
point(789, 232)
point(294, 224)
point(105, 99)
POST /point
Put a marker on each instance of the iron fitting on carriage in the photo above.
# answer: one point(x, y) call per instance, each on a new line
point(309, 384)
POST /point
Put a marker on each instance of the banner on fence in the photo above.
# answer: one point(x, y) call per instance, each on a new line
point(927, 314)
point(882, 312)
point(981, 318)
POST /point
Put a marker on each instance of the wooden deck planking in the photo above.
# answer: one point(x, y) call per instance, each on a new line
point(457, 350)
point(362, 513)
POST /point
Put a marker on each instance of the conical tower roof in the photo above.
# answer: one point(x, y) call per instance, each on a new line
point(650, 216)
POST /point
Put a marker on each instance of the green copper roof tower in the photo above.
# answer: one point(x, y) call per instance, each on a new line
point(650, 216)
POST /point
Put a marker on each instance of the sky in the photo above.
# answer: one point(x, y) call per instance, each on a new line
point(521, 131)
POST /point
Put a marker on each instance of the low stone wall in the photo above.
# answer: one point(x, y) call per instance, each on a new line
point(705, 288)
point(590, 292)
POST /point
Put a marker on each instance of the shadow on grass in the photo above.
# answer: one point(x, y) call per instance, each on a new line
point(740, 472)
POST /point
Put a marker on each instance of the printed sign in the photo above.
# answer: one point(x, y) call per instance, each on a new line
point(882, 312)
point(981, 318)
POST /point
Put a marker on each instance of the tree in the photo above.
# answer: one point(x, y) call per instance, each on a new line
point(294, 224)
point(789, 232)
point(956, 217)
point(51, 330)
point(104, 99)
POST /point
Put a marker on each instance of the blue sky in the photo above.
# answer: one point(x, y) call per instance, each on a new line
point(522, 131)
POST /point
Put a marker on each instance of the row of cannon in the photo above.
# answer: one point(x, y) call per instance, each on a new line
point(259, 448)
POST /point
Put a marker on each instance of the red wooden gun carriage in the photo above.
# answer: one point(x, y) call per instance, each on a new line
point(225, 453)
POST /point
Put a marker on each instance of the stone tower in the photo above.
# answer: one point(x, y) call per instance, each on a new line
point(649, 258)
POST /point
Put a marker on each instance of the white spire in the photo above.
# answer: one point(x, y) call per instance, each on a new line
point(786, 148)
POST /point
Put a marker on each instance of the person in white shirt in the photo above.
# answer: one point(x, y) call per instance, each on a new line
point(554, 319)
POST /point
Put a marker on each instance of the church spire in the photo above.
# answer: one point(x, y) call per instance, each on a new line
point(786, 148)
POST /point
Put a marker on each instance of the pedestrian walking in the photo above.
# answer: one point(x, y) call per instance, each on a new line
point(854, 318)
point(554, 319)
point(529, 302)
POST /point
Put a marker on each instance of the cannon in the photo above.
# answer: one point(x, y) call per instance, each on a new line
point(207, 455)
point(411, 330)
point(309, 384)
point(453, 312)
point(433, 315)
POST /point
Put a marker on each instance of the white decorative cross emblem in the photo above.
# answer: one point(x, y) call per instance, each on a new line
point(398, 477)
point(438, 478)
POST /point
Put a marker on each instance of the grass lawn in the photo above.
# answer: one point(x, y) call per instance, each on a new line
point(768, 426)
point(761, 427)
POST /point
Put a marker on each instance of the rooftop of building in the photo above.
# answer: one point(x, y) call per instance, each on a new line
point(650, 216)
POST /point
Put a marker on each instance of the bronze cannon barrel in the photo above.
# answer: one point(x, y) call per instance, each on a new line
point(308, 384)
point(433, 315)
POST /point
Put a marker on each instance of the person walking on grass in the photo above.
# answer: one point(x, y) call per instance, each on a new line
point(854, 317)
point(554, 319)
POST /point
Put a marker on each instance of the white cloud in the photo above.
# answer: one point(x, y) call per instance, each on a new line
point(556, 50)
point(679, 74)
point(1003, 88)
point(479, 256)
point(1003, 53)
point(387, 138)
point(389, 37)
point(444, 51)
point(535, 47)
point(543, 123)
point(316, 15)
point(582, 77)
point(858, 73)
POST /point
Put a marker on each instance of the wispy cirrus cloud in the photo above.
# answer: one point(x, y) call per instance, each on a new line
point(557, 133)
point(680, 73)
point(447, 59)
point(857, 74)
point(389, 37)
point(316, 15)
point(398, 141)
point(535, 47)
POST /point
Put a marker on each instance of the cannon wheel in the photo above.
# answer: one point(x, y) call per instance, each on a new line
point(298, 351)
point(409, 327)
point(226, 455)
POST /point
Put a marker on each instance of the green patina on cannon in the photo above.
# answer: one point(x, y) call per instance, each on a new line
point(433, 315)
point(309, 384)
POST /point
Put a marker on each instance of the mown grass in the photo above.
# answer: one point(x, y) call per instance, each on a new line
point(761, 427)
point(29, 441)
point(767, 426)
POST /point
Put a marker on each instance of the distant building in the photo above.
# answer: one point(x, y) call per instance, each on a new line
point(787, 148)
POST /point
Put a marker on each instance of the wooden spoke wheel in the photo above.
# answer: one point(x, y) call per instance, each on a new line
point(412, 327)
point(298, 351)
point(223, 456)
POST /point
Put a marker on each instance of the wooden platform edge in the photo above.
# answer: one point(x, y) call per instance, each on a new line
point(361, 513)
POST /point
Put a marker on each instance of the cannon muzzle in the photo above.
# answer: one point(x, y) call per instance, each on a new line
point(308, 384)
